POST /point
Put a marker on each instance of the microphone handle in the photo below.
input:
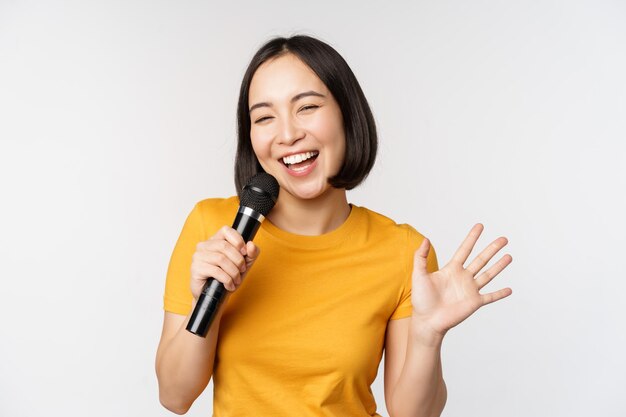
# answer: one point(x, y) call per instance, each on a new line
point(246, 223)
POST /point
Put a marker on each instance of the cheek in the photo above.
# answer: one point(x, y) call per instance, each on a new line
point(334, 138)
point(261, 143)
point(327, 129)
point(340, 152)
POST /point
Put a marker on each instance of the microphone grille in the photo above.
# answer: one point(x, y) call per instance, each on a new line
point(260, 193)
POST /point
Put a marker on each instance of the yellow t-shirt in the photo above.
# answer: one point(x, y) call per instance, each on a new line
point(304, 333)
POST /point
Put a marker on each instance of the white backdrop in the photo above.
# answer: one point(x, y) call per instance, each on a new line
point(117, 116)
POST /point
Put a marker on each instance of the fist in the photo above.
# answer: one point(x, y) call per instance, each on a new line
point(225, 257)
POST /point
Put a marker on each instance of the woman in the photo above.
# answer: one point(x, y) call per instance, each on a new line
point(336, 283)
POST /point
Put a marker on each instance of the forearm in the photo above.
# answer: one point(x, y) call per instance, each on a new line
point(186, 366)
point(420, 390)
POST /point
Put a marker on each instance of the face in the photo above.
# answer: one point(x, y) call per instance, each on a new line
point(296, 127)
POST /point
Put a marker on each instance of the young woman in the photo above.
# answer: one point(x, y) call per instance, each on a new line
point(336, 283)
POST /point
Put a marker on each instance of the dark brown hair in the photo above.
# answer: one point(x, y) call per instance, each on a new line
point(333, 70)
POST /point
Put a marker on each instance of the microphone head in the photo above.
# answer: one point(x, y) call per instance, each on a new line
point(260, 193)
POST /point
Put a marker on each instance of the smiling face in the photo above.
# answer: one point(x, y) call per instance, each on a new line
point(296, 127)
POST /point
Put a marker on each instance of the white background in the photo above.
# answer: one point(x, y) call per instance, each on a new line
point(116, 117)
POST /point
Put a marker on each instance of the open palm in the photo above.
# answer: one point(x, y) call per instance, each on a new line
point(444, 298)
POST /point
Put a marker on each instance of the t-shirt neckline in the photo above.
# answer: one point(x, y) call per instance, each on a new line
point(325, 240)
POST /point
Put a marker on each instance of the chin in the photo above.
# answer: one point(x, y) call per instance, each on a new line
point(308, 192)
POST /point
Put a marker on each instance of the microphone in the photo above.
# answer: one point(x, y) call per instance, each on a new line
point(257, 199)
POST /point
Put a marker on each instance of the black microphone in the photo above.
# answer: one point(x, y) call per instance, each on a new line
point(257, 199)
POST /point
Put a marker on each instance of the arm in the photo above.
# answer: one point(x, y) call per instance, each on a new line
point(184, 362)
point(414, 384)
point(440, 300)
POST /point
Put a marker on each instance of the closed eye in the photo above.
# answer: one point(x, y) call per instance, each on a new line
point(262, 119)
point(303, 108)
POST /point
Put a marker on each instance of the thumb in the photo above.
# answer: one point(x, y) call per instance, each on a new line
point(420, 257)
point(252, 253)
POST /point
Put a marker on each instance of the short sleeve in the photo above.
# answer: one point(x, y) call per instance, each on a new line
point(405, 308)
point(178, 298)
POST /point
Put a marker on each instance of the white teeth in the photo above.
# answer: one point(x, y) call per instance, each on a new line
point(294, 159)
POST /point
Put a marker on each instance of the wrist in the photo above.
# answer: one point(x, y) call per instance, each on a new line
point(424, 335)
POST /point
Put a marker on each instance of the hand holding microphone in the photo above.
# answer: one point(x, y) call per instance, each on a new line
point(226, 257)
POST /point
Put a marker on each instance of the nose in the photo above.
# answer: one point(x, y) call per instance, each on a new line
point(290, 132)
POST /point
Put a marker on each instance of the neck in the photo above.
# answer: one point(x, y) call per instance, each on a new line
point(311, 217)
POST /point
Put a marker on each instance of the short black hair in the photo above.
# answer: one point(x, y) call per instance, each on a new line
point(333, 70)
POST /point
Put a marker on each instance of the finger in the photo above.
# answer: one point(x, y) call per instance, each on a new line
point(253, 253)
point(230, 235)
point(466, 247)
point(486, 277)
point(421, 256)
point(224, 247)
point(485, 256)
point(213, 271)
point(495, 296)
point(223, 262)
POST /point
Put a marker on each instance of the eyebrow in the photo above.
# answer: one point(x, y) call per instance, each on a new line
point(293, 99)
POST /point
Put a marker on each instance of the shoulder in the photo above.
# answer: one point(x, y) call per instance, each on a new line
point(210, 206)
point(382, 225)
point(399, 238)
point(213, 213)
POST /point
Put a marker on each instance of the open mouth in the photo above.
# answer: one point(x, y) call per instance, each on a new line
point(300, 161)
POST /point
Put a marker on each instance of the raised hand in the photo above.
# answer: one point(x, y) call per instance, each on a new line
point(445, 298)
